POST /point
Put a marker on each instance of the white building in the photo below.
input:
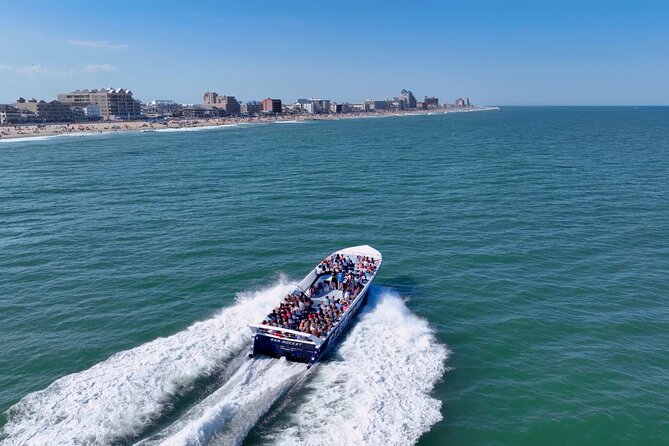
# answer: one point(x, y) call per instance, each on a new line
point(92, 111)
point(314, 105)
point(309, 107)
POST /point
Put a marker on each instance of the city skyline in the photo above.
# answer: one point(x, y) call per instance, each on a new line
point(511, 54)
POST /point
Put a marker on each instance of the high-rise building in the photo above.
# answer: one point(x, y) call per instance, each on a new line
point(322, 105)
point(462, 102)
point(114, 103)
point(270, 105)
point(408, 98)
point(310, 107)
point(210, 98)
point(230, 104)
point(431, 102)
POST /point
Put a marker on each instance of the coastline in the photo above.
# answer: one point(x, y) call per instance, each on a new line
point(35, 132)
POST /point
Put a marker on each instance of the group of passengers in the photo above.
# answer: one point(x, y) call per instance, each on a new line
point(298, 312)
point(288, 314)
point(341, 263)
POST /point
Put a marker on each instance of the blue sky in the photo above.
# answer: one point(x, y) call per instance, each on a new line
point(495, 52)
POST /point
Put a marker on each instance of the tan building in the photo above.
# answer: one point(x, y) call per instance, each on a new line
point(210, 98)
point(230, 104)
point(54, 111)
point(30, 105)
point(114, 103)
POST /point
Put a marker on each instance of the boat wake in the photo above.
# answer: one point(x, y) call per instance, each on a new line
point(374, 389)
point(228, 414)
point(123, 395)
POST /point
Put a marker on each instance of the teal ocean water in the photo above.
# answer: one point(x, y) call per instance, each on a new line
point(524, 297)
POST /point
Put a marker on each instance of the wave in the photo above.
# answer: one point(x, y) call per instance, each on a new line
point(123, 395)
point(290, 121)
point(29, 139)
point(194, 129)
point(50, 137)
point(376, 389)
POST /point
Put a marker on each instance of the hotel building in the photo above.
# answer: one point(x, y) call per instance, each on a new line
point(229, 104)
point(270, 105)
point(113, 103)
point(408, 99)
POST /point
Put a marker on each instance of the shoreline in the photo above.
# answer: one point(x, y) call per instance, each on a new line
point(40, 132)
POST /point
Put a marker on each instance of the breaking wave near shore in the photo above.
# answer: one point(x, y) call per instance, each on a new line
point(374, 389)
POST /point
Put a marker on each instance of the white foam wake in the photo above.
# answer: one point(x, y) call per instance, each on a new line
point(376, 390)
point(120, 396)
point(193, 129)
point(51, 137)
point(228, 414)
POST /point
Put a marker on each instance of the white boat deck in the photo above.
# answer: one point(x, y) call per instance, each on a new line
point(314, 278)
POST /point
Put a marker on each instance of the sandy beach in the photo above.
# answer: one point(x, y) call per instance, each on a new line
point(14, 132)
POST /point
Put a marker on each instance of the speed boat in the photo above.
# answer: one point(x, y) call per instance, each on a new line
point(309, 320)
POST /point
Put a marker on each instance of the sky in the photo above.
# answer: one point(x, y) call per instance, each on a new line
point(494, 52)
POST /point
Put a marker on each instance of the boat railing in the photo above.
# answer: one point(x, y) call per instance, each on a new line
point(300, 336)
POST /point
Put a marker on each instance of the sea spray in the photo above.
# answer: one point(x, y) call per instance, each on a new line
point(120, 396)
point(376, 389)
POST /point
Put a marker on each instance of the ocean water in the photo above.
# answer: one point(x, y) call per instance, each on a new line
point(524, 297)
